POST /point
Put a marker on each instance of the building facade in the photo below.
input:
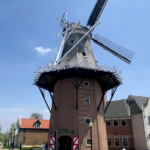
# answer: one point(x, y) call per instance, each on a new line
point(32, 131)
point(119, 126)
point(67, 117)
point(128, 123)
point(140, 114)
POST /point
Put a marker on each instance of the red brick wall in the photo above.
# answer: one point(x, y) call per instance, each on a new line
point(68, 117)
point(32, 134)
point(120, 132)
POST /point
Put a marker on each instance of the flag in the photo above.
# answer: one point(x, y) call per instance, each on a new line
point(64, 14)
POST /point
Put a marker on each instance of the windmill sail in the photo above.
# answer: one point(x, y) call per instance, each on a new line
point(97, 11)
point(113, 48)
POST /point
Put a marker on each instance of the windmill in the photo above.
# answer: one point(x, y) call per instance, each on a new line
point(78, 85)
point(92, 22)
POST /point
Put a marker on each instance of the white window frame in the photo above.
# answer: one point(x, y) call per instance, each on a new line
point(127, 141)
point(121, 122)
point(87, 118)
point(117, 121)
point(88, 144)
point(114, 141)
point(87, 82)
point(111, 141)
point(87, 99)
point(110, 123)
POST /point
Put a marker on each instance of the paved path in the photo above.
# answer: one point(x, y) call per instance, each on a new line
point(0, 147)
point(5, 149)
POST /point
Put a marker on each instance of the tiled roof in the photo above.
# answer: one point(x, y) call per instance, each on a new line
point(135, 103)
point(28, 123)
point(120, 108)
point(139, 100)
point(117, 109)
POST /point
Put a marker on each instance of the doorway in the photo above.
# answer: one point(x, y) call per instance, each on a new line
point(65, 143)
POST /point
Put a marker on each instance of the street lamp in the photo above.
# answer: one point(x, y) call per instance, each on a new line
point(91, 125)
point(14, 136)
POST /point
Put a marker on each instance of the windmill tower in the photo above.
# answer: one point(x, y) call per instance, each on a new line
point(78, 86)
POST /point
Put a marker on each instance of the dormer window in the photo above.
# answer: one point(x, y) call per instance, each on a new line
point(37, 124)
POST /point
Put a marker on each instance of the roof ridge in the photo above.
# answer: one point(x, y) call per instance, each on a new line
point(34, 119)
point(138, 96)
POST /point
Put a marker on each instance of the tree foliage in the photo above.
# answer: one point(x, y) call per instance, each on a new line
point(36, 116)
point(1, 135)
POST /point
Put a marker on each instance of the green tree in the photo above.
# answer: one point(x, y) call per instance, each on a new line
point(1, 135)
point(36, 116)
point(6, 138)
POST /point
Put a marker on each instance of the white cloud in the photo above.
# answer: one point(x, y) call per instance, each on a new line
point(45, 110)
point(42, 50)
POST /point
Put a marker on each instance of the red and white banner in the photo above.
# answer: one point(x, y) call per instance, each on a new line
point(51, 145)
point(75, 143)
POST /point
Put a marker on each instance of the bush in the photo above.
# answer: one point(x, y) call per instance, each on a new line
point(5, 147)
point(26, 148)
point(30, 147)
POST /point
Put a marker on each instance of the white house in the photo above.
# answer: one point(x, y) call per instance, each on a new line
point(139, 108)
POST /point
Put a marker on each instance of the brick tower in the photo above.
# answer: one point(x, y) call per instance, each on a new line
point(78, 86)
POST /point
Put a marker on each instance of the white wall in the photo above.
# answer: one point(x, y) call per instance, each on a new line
point(139, 132)
point(146, 113)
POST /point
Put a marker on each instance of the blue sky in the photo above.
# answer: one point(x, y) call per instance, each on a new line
point(29, 27)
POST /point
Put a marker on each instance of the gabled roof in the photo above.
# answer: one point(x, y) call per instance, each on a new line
point(28, 123)
point(120, 108)
point(117, 109)
point(138, 99)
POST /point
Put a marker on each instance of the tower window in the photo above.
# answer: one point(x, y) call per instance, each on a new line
point(83, 53)
point(86, 83)
point(87, 120)
point(71, 42)
point(88, 142)
point(87, 101)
